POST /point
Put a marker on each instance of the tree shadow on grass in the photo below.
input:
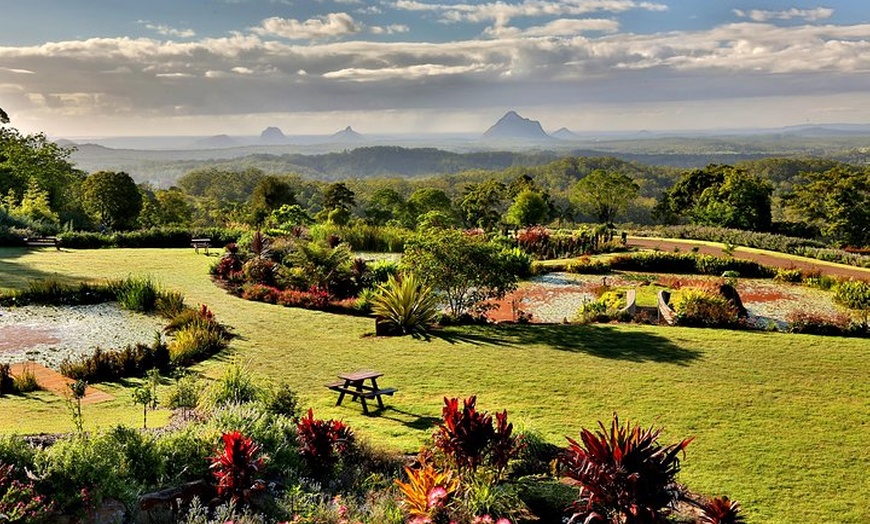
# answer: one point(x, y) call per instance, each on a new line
point(16, 275)
point(603, 341)
point(408, 419)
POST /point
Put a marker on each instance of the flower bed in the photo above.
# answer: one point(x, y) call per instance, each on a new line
point(50, 334)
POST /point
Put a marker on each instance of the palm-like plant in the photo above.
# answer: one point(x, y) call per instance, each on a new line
point(406, 304)
point(721, 510)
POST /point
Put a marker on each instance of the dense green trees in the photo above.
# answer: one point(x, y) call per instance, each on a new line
point(482, 204)
point(112, 199)
point(269, 194)
point(838, 202)
point(529, 208)
point(719, 195)
point(26, 160)
point(604, 194)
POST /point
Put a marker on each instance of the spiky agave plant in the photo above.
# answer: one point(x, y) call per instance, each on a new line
point(406, 304)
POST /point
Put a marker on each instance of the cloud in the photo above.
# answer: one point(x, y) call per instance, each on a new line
point(810, 15)
point(501, 12)
point(560, 27)
point(332, 25)
point(556, 62)
point(389, 30)
point(165, 30)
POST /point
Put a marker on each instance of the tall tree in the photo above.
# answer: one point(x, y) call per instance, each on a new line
point(4, 118)
point(838, 202)
point(270, 194)
point(529, 208)
point(112, 198)
point(483, 203)
point(719, 195)
point(604, 194)
point(338, 196)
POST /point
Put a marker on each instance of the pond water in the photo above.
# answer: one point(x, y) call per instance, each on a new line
point(49, 334)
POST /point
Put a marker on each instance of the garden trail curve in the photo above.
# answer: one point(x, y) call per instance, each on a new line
point(806, 264)
point(50, 380)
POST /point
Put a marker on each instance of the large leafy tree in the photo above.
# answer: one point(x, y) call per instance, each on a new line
point(33, 159)
point(483, 204)
point(385, 205)
point(529, 208)
point(604, 194)
point(465, 269)
point(270, 194)
point(838, 202)
point(165, 207)
point(111, 198)
point(719, 195)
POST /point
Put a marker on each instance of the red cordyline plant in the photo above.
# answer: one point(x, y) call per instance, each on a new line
point(237, 467)
point(721, 510)
point(468, 437)
point(625, 476)
point(322, 442)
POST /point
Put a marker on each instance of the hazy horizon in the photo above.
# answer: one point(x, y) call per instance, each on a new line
point(84, 68)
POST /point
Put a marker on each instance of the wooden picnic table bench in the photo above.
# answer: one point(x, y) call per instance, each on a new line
point(354, 384)
point(42, 242)
point(200, 243)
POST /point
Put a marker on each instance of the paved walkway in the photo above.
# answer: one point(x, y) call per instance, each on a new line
point(765, 258)
point(51, 380)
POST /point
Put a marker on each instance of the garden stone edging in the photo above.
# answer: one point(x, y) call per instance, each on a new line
point(665, 312)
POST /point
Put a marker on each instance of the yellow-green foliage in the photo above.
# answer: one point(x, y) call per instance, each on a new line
point(406, 304)
point(696, 307)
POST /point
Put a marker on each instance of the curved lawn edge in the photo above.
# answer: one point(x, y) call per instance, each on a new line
point(762, 256)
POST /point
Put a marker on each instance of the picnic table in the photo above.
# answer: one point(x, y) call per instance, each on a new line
point(198, 243)
point(354, 384)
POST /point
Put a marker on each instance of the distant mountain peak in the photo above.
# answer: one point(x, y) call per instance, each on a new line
point(347, 134)
point(272, 134)
point(563, 133)
point(512, 126)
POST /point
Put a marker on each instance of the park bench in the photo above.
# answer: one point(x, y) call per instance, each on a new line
point(201, 243)
point(354, 384)
point(42, 242)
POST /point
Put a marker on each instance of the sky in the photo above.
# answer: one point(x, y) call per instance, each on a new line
point(92, 68)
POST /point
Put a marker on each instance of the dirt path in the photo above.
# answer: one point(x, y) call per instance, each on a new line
point(51, 380)
point(805, 264)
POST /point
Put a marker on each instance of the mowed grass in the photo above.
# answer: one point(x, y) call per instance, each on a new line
point(781, 422)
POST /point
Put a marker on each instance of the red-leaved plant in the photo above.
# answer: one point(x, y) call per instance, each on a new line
point(237, 466)
point(721, 510)
point(322, 442)
point(625, 476)
point(468, 437)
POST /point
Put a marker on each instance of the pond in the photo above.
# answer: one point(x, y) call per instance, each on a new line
point(49, 334)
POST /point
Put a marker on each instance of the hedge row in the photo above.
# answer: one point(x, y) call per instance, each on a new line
point(148, 238)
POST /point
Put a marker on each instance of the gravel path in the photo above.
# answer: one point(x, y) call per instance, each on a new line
point(762, 258)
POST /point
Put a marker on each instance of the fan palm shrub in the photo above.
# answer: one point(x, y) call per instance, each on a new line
point(406, 305)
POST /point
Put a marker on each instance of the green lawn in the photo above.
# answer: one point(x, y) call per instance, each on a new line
point(782, 422)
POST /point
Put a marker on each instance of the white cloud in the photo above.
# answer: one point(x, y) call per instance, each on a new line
point(16, 71)
point(501, 12)
point(389, 30)
point(414, 72)
point(330, 26)
point(558, 28)
point(810, 15)
point(165, 30)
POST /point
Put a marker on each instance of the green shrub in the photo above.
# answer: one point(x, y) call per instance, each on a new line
point(194, 342)
point(588, 266)
point(185, 394)
point(106, 366)
point(406, 305)
point(788, 275)
point(235, 386)
point(169, 304)
point(688, 263)
point(696, 307)
point(275, 432)
point(517, 262)
point(136, 294)
point(26, 381)
point(282, 400)
point(814, 323)
point(85, 240)
point(820, 281)
point(364, 237)
point(854, 294)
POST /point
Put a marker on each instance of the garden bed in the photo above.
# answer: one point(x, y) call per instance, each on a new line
point(50, 334)
point(556, 297)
